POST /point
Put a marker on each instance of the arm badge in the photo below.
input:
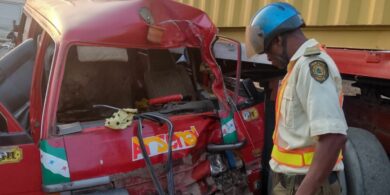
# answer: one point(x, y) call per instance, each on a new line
point(319, 70)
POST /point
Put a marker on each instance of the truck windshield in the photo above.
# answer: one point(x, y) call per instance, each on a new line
point(127, 78)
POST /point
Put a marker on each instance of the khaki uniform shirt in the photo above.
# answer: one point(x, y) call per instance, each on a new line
point(309, 108)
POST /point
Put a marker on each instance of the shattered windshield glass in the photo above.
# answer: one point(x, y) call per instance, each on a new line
point(97, 80)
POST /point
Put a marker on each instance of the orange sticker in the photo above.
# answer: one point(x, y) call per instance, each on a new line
point(158, 144)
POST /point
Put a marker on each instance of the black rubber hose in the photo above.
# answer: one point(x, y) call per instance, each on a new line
point(155, 180)
point(170, 177)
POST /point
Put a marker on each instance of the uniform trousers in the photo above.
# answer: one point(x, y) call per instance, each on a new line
point(288, 184)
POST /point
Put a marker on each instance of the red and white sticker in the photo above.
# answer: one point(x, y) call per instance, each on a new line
point(158, 144)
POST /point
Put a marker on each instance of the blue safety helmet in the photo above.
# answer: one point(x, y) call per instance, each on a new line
point(269, 22)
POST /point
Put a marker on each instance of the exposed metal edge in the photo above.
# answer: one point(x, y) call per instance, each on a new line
point(76, 184)
point(226, 51)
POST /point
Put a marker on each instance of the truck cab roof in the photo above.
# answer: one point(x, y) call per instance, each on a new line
point(109, 22)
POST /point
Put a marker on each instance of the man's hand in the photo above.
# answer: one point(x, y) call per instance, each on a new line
point(325, 157)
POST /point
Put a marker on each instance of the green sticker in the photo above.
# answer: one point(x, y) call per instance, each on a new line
point(54, 163)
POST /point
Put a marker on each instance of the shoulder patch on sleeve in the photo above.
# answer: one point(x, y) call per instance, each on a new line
point(319, 70)
point(312, 51)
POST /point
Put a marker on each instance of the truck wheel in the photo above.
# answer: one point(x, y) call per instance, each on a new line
point(343, 182)
point(367, 167)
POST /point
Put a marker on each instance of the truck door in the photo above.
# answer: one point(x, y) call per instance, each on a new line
point(16, 69)
point(247, 102)
point(19, 156)
point(246, 98)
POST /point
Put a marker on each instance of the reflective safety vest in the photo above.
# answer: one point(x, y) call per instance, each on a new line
point(299, 157)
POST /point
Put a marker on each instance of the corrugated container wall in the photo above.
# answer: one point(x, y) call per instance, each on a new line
point(338, 23)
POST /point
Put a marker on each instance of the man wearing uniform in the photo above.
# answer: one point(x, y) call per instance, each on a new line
point(310, 127)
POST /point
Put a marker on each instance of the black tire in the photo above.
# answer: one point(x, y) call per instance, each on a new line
point(367, 167)
point(343, 182)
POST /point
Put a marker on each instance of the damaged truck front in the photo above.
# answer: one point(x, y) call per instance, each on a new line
point(123, 97)
point(126, 97)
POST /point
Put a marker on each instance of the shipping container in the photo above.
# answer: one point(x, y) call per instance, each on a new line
point(337, 23)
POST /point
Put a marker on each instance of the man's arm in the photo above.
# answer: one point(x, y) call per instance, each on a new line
point(325, 157)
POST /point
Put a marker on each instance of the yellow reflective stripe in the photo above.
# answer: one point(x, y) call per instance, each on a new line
point(286, 158)
point(295, 159)
point(308, 158)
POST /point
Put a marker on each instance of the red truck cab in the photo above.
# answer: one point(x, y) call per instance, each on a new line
point(78, 62)
point(201, 127)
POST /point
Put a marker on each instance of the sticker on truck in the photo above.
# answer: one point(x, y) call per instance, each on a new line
point(250, 114)
point(158, 144)
point(10, 155)
point(54, 163)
